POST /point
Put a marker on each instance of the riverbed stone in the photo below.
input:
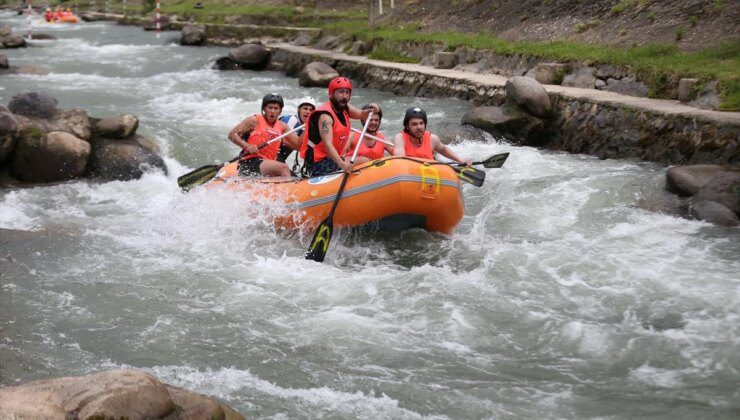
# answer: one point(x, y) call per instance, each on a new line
point(115, 394)
point(444, 60)
point(117, 127)
point(714, 212)
point(687, 89)
point(33, 104)
point(584, 77)
point(44, 37)
point(508, 121)
point(549, 73)
point(723, 188)
point(3, 61)
point(74, 121)
point(686, 180)
point(13, 41)
point(52, 157)
point(529, 94)
point(9, 129)
point(626, 86)
point(5, 30)
point(192, 34)
point(122, 159)
point(707, 98)
point(316, 74)
point(452, 133)
point(610, 71)
point(250, 56)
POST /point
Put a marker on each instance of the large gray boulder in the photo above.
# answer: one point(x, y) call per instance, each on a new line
point(444, 60)
point(707, 98)
point(585, 78)
point(117, 127)
point(13, 41)
point(627, 86)
point(316, 74)
point(507, 121)
point(193, 35)
point(250, 56)
point(124, 159)
point(74, 121)
point(52, 157)
point(116, 394)
point(723, 188)
point(33, 104)
point(9, 128)
point(530, 95)
point(714, 212)
point(549, 73)
point(688, 179)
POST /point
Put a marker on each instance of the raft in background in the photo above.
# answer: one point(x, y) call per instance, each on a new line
point(393, 193)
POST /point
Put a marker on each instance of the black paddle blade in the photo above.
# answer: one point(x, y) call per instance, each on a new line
point(495, 161)
point(470, 175)
point(320, 242)
point(197, 177)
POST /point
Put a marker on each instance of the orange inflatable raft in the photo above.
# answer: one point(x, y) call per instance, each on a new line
point(393, 193)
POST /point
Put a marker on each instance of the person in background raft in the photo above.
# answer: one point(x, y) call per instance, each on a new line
point(306, 106)
point(328, 130)
point(49, 15)
point(371, 149)
point(255, 131)
point(416, 141)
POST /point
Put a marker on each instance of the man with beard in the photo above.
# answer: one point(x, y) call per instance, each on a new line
point(416, 141)
point(253, 134)
point(329, 130)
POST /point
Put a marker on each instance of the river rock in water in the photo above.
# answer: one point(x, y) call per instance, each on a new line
point(56, 156)
point(114, 394)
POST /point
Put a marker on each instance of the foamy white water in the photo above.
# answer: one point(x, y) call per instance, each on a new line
point(562, 295)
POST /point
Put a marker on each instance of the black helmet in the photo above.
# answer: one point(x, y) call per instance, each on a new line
point(272, 98)
point(414, 112)
point(380, 111)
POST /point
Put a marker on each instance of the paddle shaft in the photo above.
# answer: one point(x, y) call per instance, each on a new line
point(351, 161)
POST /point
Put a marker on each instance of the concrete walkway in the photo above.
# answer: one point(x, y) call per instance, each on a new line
point(663, 106)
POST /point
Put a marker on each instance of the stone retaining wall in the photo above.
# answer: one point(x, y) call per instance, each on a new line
point(578, 125)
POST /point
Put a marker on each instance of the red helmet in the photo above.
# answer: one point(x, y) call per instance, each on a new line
point(339, 83)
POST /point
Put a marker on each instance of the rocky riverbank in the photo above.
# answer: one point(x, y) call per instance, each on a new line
point(40, 143)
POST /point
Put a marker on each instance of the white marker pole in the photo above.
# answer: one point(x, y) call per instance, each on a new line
point(380, 7)
point(158, 24)
point(30, 20)
point(392, 5)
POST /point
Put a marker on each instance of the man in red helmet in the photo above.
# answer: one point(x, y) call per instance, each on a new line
point(329, 130)
point(416, 141)
point(252, 135)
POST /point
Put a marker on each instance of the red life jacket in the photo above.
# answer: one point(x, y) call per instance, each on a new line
point(261, 135)
point(377, 151)
point(424, 151)
point(310, 139)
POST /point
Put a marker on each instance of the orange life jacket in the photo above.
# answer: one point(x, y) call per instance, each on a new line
point(261, 135)
point(313, 139)
point(424, 151)
point(375, 152)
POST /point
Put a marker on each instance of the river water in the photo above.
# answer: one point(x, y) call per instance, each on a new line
point(563, 294)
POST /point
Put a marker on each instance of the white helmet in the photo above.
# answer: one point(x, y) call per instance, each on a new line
point(307, 100)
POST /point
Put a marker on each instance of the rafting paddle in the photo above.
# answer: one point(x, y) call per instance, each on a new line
point(322, 236)
point(205, 173)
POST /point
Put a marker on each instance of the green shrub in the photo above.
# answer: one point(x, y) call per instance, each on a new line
point(680, 33)
point(693, 20)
